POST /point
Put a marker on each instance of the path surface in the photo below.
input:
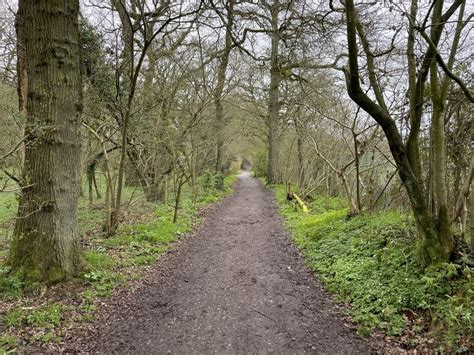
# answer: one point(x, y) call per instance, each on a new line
point(238, 286)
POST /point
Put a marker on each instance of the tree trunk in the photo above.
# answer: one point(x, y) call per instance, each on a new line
point(413, 149)
point(357, 169)
point(220, 119)
point(22, 75)
point(300, 148)
point(274, 99)
point(90, 183)
point(156, 192)
point(436, 246)
point(471, 219)
point(130, 82)
point(45, 245)
point(353, 208)
point(180, 183)
point(440, 192)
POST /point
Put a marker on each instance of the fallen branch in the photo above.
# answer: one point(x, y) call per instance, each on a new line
point(295, 197)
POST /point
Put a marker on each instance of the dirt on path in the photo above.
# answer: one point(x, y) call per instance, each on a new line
point(237, 286)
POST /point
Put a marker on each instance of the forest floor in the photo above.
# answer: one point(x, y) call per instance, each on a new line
point(239, 285)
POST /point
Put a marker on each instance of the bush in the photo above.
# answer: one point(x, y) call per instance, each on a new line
point(260, 163)
point(209, 181)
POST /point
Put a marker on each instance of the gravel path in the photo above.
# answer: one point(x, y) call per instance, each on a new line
point(238, 286)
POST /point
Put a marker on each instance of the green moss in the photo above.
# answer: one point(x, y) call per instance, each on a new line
point(56, 274)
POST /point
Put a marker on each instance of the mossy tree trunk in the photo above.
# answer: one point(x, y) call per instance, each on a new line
point(45, 244)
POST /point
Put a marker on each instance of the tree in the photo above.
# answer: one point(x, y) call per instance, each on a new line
point(274, 94)
point(221, 77)
point(45, 244)
point(434, 226)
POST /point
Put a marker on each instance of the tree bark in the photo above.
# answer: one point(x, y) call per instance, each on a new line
point(471, 218)
point(130, 90)
point(45, 245)
point(440, 193)
point(274, 98)
point(299, 146)
point(413, 149)
point(221, 77)
point(22, 75)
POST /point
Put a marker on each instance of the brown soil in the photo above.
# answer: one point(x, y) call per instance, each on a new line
point(237, 286)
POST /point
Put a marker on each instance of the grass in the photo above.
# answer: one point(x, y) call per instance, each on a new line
point(371, 262)
point(111, 263)
point(8, 206)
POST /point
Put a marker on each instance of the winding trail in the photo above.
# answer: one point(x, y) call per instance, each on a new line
point(237, 286)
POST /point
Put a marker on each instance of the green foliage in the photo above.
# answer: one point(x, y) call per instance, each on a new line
point(98, 260)
point(208, 185)
point(8, 208)
point(371, 261)
point(11, 287)
point(209, 181)
point(321, 204)
point(454, 315)
point(8, 204)
point(14, 317)
point(46, 316)
point(7, 342)
point(260, 163)
point(110, 263)
point(105, 282)
point(48, 337)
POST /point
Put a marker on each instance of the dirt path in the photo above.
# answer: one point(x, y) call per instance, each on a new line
point(237, 286)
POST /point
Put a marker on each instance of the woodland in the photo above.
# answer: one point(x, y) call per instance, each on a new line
point(122, 120)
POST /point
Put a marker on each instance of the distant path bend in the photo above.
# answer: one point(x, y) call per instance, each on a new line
point(238, 286)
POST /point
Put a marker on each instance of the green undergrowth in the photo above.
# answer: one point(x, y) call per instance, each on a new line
point(371, 261)
point(110, 264)
point(113, 261)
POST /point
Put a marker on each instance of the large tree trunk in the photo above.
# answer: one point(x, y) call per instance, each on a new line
point(45, 244)
point(274, 99)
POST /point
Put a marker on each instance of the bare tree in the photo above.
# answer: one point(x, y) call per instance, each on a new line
point(434, 226)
